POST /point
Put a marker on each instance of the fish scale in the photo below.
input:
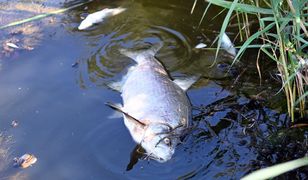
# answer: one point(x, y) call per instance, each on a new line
point(162, 96)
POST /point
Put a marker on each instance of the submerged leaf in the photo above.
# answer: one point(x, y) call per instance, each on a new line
point(25, 160)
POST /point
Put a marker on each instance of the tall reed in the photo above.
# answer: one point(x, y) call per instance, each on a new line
point(282, 36)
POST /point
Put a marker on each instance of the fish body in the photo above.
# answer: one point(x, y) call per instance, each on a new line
point(99, 16)
point(200, 46)
point(228, 45)
point(159, 104)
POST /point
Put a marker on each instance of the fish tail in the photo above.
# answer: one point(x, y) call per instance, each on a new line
point(118, 10)
point(142, 53)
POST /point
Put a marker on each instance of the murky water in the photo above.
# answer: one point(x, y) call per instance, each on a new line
point(57, 93)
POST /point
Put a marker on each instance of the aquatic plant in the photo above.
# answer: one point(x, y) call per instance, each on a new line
point(273, 171)
point(282, 36)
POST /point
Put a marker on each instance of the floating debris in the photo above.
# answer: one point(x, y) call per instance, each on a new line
point(12, 45)
point(25, 160)
point(14, 123)
point(200, 46)
point(75, 65)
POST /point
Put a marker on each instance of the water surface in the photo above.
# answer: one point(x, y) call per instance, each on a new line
point(57, 93)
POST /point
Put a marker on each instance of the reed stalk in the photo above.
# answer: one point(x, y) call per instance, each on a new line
point(282, 36)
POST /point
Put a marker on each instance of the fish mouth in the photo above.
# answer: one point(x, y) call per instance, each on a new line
point(156, 158)
point(159, 159)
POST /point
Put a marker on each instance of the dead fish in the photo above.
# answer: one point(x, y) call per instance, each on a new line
point(25, 160)
point(12, 45)
point(156, 109)
point(99, 16)
point(228, 45)
point(200, 46)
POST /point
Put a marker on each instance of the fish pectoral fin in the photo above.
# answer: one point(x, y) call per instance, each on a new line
point(129, 117)
point(114, 106)
point(186, 83)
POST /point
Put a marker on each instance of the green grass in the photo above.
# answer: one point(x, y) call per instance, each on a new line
point(282, 36)
point(273, 171)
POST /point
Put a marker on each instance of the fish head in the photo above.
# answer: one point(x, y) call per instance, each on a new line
point(86, 23)
point(158, 142)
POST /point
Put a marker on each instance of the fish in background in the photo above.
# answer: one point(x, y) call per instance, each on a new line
point(156, 109)
point(99, 17)
point(228, 45)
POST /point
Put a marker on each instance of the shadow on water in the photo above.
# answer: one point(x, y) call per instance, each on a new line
point(135, 155)
point(57, 93)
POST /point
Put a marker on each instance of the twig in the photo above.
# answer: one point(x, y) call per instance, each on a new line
point(41, 16)
point(238, 77)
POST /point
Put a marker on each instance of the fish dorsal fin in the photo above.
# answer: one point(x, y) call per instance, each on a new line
point(129, 117)
point(142, 53)
point(186, 83)
point(118, 84)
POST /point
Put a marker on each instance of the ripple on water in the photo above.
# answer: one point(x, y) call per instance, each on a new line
point(105, 63)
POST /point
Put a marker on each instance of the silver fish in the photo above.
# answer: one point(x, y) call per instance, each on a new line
point(156, 109)
point(228, 45)
point(200, 46)
point(99, 16)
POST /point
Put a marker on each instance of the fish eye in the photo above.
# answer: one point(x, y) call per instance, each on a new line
point(167, 141)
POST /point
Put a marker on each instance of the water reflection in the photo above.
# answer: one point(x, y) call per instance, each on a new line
point(106, 61)
point(135, 155)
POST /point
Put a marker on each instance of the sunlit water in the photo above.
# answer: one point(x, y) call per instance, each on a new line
point(57, 93)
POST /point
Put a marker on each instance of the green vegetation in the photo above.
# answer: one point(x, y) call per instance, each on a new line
point(282, 36)
point(276, 170)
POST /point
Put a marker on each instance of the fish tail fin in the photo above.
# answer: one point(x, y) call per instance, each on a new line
point(142, 53)
point(118, 10)
point(187, 82)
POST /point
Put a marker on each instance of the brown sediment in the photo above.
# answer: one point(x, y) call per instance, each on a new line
point(18, 176)
point(5, 143)
point(25, 160)
point(6, 159)
point(26, 36)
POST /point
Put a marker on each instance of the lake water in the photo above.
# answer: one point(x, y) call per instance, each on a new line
point(57, 90)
